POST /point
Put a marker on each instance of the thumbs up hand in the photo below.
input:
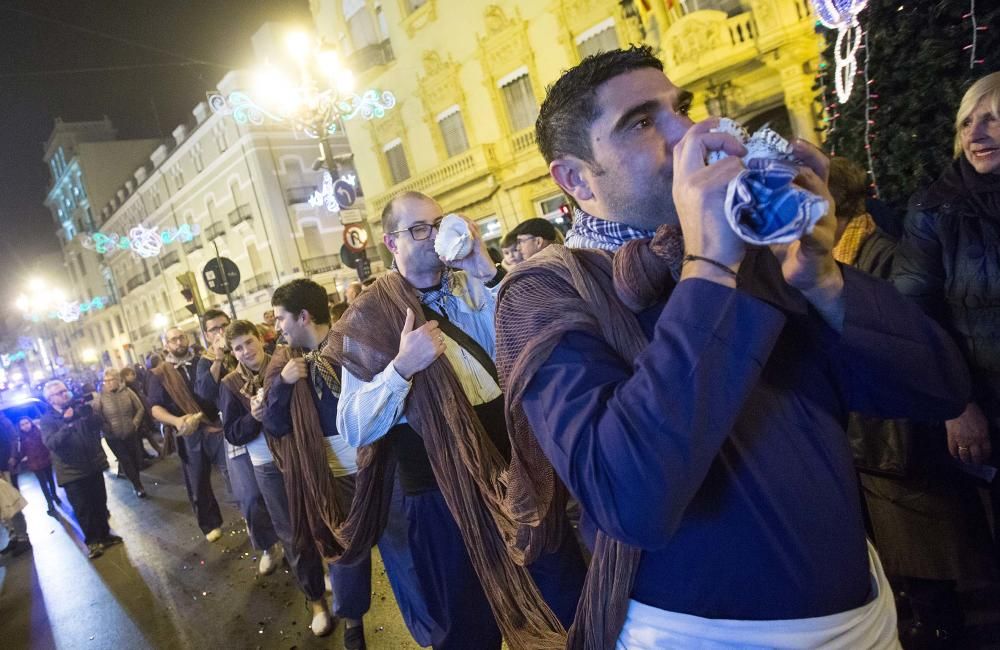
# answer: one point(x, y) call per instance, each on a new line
point(418, 348)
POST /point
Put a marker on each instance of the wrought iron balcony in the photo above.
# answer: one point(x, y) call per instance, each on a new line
point(195, 244)
point(137, 281)
point(260, 282)
point(171, 258)
point(217, 229)
point(240, 214)
point(322, 264)
point(297, 195)
point(368, 57)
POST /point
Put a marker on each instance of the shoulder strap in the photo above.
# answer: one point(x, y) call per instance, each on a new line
point(471, 346)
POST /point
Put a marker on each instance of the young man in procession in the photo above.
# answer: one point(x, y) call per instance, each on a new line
point(241, 400)
point(302, 390)
point(215, 363)
point(420, 387)
point(691, 391)
point(174, 402)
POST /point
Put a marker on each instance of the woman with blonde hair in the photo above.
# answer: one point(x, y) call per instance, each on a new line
point(949, 262)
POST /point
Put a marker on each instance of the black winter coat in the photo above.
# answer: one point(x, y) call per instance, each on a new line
point(949, 262)
point(75, 445)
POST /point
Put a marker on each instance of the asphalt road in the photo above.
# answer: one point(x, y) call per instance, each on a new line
point(165, 587)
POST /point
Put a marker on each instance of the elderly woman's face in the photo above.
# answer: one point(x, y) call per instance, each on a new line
point(980, 136)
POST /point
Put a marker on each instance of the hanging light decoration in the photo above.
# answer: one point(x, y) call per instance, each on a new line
point(842, 15)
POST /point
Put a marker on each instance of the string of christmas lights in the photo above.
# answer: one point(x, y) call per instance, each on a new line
point(869, 121)
point(976, 28)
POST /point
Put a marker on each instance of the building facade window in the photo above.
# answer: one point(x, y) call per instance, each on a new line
point(453, 131)
point(198, 159)
point(395, 158)
point(360, 24)
point(519, 100)
point(599, 38)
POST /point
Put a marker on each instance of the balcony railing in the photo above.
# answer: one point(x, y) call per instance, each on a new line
point(240, 214)
point(171, 258)
point(260, 282)
point(458, 170)
point(137, 281)
point(370, 56)
point(193, 245)
point(522, 141)
point(296, 195)
point(146, 330)
point(322, 264)
point(217, 229)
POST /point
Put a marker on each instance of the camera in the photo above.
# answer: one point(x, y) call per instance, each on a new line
point(82, 406)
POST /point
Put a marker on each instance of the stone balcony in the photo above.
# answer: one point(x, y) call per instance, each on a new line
point(467, 167)
point(706, 42)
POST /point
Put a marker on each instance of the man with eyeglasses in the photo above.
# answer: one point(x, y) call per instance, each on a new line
point(420, 386)
point(534, 235)
point(174, 402)
point(213, 365)
point(72, 432)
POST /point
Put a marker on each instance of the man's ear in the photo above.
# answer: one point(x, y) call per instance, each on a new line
point(568, 173)
point(390, 243)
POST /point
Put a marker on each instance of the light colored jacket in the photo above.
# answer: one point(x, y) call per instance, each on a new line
point(121, 412)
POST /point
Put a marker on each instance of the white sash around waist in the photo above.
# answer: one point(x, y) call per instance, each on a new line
point(869, 627)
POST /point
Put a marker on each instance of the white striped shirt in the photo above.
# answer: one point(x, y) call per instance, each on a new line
point(367, 410)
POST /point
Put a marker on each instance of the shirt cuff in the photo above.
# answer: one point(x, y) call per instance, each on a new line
point(395, 381)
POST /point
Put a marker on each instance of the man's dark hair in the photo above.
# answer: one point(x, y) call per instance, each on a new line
point(240, 328)
point(563, 124)
point(849, 187)
point(390, 220)
point(537, 227)
point(303, 294)
point(212, 314)
point(510, 239)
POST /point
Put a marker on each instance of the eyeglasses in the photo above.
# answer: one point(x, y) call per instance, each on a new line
point(64, 391)
point(420, 231)
point(177, 339)
point(526, 239)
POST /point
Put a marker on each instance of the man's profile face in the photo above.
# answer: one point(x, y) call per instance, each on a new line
point(248, 350)
point(415, 254)
point(214, 327)
point(292, 325)
point(641, 118)
point(177, 342)
point(529, 245)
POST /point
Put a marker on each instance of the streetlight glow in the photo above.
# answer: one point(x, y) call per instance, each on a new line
point(160, 321)
point(299, 44)
point(22, 303)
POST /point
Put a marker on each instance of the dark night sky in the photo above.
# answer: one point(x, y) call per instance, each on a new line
point(39, 36)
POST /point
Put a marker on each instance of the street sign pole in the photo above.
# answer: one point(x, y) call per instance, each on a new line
point(225, 280)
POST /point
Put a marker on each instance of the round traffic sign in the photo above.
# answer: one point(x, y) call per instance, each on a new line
point(355, 237)
point(213, 274)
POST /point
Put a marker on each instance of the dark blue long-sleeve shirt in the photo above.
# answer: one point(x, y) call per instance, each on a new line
point(205, 385)
point(278, 410)
point(238, 426)
point(721, 451)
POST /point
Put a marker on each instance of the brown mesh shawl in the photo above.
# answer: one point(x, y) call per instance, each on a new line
point(467, 465)
point(558, 291)
point(300, 454)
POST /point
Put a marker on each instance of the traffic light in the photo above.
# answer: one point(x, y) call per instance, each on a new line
point(192, 297)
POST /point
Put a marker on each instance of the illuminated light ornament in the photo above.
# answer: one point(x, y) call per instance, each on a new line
point(321, 111)
point(842, 15)
point(143, 241)
point(329, 196)
point(71, 311)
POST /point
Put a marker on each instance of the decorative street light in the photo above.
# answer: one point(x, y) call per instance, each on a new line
point(160, 322)
point(314, 105)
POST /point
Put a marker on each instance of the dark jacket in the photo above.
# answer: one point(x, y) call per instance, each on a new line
point(949, 263)
point(34, 455)
point(75, 444)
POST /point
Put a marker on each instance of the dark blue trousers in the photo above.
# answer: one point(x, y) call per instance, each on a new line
point(199, 451)
point(401, 570)
point(243, 480)
point(352, 584)
point(450, 586)
point(306, 565)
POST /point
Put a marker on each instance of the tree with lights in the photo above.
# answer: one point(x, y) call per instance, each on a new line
point(920, 59)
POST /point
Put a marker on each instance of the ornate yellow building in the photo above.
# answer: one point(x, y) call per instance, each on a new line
point(469, 75)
